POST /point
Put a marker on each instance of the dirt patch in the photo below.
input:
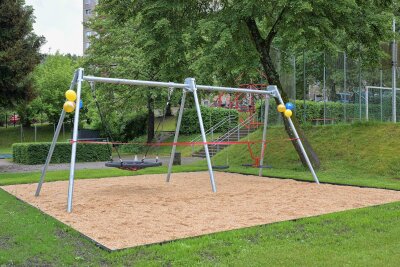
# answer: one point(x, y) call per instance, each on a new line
point(130, 211)
point(5, 242)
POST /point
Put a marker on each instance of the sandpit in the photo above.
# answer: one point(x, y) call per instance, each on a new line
point(130, 211)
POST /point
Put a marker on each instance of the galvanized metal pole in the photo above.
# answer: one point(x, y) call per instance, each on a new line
point(178, 127)
point(380, 93)
point(21, 131)
point(74, 141)
point(50, 154)
point(394, 65)
point(192, 85)
point(53, 143)
point(294, 78)
point(304, 87)
point(366, 103)
point(324, 93)
point(344, 83)
point(264, 136)
point(359, 91)
point(303, 151)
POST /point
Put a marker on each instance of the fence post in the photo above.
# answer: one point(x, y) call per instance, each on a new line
point(380, 92)
point(21, 132)
point(344, 82)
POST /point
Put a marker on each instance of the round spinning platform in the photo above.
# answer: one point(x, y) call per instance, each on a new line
point(132, 164)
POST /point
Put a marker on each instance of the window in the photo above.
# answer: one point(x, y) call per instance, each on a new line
point(88, 11)
point(87, 45)
point(88, 34)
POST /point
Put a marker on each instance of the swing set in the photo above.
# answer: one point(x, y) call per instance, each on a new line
point(189, 86)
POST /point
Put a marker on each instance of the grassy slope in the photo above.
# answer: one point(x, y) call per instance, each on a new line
point(362, 154)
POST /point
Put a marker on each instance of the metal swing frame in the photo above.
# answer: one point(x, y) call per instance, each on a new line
point(189, 86)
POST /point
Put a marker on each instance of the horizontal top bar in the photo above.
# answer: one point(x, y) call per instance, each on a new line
point(133, 82)
point(234, 90)
point(175, 85)
point(382, 88)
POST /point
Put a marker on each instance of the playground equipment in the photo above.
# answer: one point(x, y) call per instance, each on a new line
point(244, 103)
point(131, 165)
point(189, 86)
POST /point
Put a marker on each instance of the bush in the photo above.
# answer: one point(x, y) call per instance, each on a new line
point(36, 153)
point(134, 126)
point(133, 149)
point(315, 110)
point(211, 116)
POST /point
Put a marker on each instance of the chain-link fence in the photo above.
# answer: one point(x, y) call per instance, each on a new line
point(333, 88)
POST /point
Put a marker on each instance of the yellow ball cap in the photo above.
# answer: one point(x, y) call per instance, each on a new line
point(288, 113)
point(70, 95)
point(281, 108)
point(69, 106)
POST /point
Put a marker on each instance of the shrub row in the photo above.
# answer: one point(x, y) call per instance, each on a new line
point(36, 153)
point(211, 116)
point(315, 110)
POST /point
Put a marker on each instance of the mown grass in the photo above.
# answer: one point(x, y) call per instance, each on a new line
point(166, 124)
point(362, 237)
point(362, 154)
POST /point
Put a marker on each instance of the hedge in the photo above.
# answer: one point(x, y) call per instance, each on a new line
point(315, 110)
point(36, 153)
point(211, 116)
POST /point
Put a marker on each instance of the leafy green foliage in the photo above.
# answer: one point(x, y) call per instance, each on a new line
point(227, 42)
point(19, 52)
point(36, 153)
point(52, 78)
point(315, 111)
point(134, 126)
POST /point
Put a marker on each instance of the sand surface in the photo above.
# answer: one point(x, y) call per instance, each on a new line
point(130, 211)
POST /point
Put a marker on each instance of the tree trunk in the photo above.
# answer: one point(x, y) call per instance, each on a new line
point(263, 47)
point(150, 119)
point(168, 111)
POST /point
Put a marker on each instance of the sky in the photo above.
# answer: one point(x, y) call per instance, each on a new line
point(60, 22)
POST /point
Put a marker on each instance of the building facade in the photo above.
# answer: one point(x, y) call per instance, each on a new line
point(88, 12)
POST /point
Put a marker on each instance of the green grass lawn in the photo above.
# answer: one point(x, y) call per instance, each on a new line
point(363, 155)
point(167, 124)
point(361, 237)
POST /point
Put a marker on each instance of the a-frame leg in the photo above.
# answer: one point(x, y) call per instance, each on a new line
point(53, 143)
point(178, 127)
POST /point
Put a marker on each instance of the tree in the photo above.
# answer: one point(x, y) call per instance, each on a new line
point(51, 79)
point(223, 38)
point(140, 47)
point(19, 52)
